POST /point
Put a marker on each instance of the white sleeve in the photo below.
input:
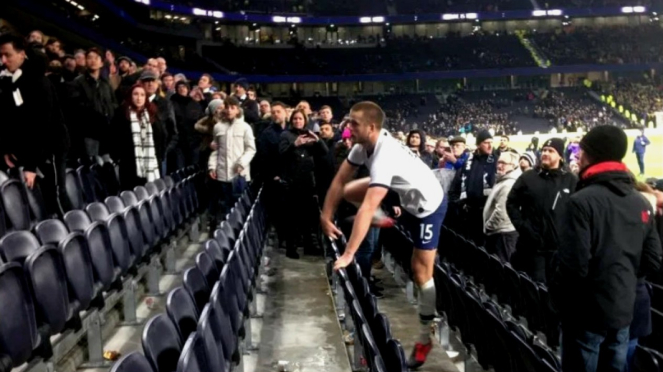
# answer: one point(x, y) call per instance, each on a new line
point(382, 171)
point(357, 156)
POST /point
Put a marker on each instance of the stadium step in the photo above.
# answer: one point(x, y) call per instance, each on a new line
point(538, 56)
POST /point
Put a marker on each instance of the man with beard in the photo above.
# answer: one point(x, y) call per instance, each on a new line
point(534, 203)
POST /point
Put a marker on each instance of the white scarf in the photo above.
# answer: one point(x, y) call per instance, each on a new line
point(147, 165)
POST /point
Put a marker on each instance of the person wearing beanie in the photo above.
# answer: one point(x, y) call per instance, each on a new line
point(533, 206)
point(527, 161)
point(607, 240)
point(501, 235)
point(249, 106)
point(471, 187)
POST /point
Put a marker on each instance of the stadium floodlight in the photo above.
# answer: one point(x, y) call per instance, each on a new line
point(555, 12)
point(146, 2)
point(450, 17)
point(471, 15)
point(217, 14)
point(639, 9)
point(278, 19)
point(365, 20)
point(539, 13)
point(627, 9)
point(199, 12)
point(377, 19)
point(294, 20)
point(168, 16)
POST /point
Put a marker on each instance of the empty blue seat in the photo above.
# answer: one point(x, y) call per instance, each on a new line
point(133, 362)
point(110, 255)
point(15, 200)
point(206, 266)
point(160, 185)
point(214, 358)
point(77, 220)
point(115, 204)
point(129, 198)
point(195, 283)
point(161, 343)
point(222, 328)
point(97, 211)
point(216, 253)
point(168, 180)
point(18, 326)
point(51, 231)
point(17, 246)
point(45, 272)
point(74, 190)
point(80, 274)
point(182, 310)
point(141, 193)
point(192, 358)
point(152, 189)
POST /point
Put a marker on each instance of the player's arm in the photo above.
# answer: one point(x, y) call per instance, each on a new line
point(334, 197)
point(362, 223)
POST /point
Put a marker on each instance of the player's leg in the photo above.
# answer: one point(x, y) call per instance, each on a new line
point(423, 262)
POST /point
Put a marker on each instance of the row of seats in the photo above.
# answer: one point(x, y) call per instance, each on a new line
point(375, 347)
point(206, 326)
point(498, 311)
point(59, 276)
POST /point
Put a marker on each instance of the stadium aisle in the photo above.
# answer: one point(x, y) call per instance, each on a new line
point(128, 338)
point(299, 326)
point(404, 324)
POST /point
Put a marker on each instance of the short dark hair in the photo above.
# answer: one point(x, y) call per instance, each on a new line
point(166, 74)
point(52, 40)
point(325, 107)
point(94, 50)
point(231, 101)
point(279, 103)
point(16, 41)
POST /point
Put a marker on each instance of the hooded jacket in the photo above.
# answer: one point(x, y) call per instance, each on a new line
point(236, 147)
point(495, 217)
point(608, 239)
point(533, 205)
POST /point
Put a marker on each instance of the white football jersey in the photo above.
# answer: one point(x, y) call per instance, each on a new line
point(394, 166)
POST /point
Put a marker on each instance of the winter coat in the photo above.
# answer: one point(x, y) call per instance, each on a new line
point(267, 162)
point(236, 147)
point(607, 239)
point(95, 104)
point(123, 150)
point(475, 180)
point(187, 112)
point(166, 114)
point(298, 163)
point(424, 155)
point(640, 144)
point(495, 217)
point(533, 205)
point(459, 162)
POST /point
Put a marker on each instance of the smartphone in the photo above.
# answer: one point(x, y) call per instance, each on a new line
point(447, 149)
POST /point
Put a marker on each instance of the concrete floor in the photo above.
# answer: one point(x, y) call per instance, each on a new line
point(299, 328)
point(404, 322)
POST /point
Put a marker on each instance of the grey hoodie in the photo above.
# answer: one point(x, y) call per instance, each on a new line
point(495, 217)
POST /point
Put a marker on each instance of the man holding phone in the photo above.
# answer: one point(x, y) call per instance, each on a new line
point(454, 155)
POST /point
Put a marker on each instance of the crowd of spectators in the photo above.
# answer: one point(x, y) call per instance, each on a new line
point(641, 98)
point(569, 112)
point(604, 45)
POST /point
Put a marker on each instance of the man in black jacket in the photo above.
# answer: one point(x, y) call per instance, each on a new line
point(535, 200)
point(607, 239)
point(249, 106)
point(32, 130)
point(94, 101)
point(471, 187)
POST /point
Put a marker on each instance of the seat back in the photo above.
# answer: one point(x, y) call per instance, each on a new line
point(104, 256)
point(394, 357)
point(17, 246)
point(182, 311)
point(133, 362)
point(221, 326)
point(168, 180)
point(51, 232)
point(45, 272)
point(77, 220)
point(152, 189)
point(205, 264)
point(114, 204)
point(213, 355)
point(15, 200)
point(129, 198)
point(195, 283)
point(141, 193)
point(78, 266)
point(120, 245)
point(160, 185)
point(215, 253)
point(18, 325)
point(192, 359)
point(74, 190)
point(97, 211)
point(161, 343)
